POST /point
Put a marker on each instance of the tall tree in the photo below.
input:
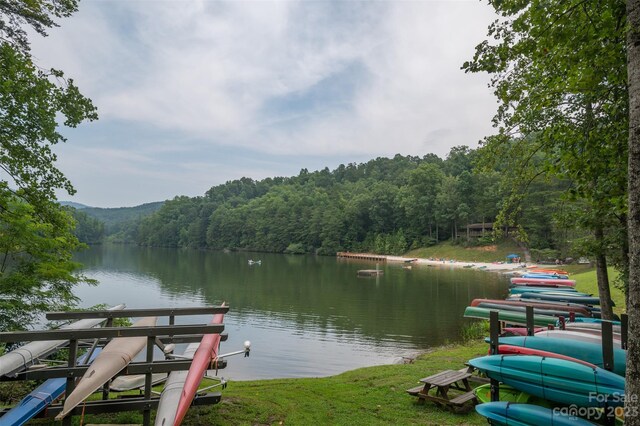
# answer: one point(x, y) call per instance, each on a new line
point(632, 391)
point(36, 242)
point(558, 69)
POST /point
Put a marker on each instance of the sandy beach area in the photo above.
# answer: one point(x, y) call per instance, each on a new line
point(490, 267)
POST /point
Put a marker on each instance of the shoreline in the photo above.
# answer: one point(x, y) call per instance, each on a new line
point(483, 266)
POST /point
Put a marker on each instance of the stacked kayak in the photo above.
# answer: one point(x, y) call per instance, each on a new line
point(41, 397)
point(543, 281)
point(554, 379)
point(205, 356)
point(509, 414)
point(116, 355)
point(19, 359)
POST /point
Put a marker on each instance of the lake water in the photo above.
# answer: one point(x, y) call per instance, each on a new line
point(305, 316)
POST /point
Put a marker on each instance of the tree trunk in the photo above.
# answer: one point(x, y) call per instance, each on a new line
point(632, 392)
point(604, 291)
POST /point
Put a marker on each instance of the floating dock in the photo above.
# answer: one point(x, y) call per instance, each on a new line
point(370, 272)
point(361, 256)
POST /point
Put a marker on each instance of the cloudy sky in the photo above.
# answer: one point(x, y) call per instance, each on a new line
point(194, 93)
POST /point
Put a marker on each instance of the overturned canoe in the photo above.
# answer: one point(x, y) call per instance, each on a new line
point(116, 355)
point(21, 358)
point(205, 356)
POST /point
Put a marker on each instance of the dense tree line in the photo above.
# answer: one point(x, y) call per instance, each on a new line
point(386, 205)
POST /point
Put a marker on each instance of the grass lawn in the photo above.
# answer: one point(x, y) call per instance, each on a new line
point(367, 396)
point(587, 283)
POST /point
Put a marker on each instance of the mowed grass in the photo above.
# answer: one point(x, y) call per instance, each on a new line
point(587, 282)
point(367, 396)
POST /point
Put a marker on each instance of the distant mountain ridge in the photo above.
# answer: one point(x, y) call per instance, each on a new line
point(114, 217)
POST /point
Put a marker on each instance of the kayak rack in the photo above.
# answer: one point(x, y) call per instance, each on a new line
point(160, 336)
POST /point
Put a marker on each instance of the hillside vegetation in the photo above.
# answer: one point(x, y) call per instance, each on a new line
point(386, 206)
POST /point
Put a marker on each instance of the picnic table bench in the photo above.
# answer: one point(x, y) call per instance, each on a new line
point(443, 382)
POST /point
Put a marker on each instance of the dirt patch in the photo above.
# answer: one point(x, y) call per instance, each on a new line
point(492, 248)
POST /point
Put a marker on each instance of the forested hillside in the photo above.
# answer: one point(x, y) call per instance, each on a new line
point(384, 206)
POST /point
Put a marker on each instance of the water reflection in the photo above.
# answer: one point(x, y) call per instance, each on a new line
point(305, 315)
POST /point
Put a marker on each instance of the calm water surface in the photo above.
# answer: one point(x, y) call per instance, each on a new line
point(305, 316)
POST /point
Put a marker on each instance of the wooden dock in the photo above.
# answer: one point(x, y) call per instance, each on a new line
point(361, 256)
point(370, 272)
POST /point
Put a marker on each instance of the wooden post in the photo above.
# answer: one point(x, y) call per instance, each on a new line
point(572, 316)
point(494, 341)
point(607, 360)
point(624, 330)
point(530, 323)
point(563, 323)
point(146, 416)
point(607, 345)
point(71, 384)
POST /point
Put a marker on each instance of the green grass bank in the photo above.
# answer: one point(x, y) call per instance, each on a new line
point(366, 396)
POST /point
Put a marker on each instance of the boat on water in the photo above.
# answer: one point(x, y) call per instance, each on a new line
point(590, 352)
point(505, 413)
point(205, 356)
point(556, 380)
point(116, 355)
point(255, 262)
point(42, 396)
point(19, 359)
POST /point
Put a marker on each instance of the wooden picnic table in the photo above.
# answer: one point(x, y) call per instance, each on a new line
point(443, 382)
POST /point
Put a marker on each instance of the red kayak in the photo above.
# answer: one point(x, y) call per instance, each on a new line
point(543, 281)
point(553, 306)
point(518, 331)
point(205, 356)
point(517, 350)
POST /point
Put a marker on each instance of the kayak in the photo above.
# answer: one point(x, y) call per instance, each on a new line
point(41, 397)
point(507, 393)
point(552, 276)
point(509, 317)
point(168, 404)
point(504, 413)
point(553, 379)
point(115, 356)
point(575, 335)
point(21, 358)
point(518, 331)
point(584, 310)
point(585, 351)
point(543, 281)
point(535, 269)
point(539, 289)
point(536, 310)
point(519, 350)
point(205, 355)
point(135, 381)
point(585, 300)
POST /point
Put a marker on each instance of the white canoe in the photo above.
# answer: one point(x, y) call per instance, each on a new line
point(26, 355)
point(135, 381)
point(170, 397)
point(114, 357)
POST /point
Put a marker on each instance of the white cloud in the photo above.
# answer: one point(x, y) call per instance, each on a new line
point(321, 78)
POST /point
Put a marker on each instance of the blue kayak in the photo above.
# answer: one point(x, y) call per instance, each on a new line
point(584, 351)
point(509, 414)
point(555, 290)
point(554, 379)
point(40, 398)
point(584, 300)
point(541, 275)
